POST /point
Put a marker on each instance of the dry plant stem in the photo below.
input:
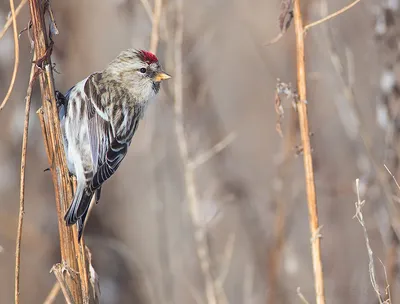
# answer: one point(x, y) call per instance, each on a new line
point(301, 296)
point(307, 157)
point(22, 185)
point(155, 26)
point(51, 297)
point(284, 177)
point(58, 271)
point(333, 15)
point(71, 254)
point(371, 265)
point(10, 20)
point(202, 248)
point(16, 54)
point(387, 169)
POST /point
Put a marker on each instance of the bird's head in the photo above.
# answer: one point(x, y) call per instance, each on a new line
point(139, 71)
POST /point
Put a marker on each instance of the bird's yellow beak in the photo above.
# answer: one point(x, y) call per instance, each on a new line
point(161, 76)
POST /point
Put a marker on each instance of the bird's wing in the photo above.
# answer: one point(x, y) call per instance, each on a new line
point(117, 148)
point(99, 129)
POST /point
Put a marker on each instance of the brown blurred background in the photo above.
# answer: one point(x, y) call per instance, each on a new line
point(141, 234)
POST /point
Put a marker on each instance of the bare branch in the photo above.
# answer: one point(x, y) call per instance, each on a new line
point(371, 266)
point(217, 148)
point(214, 294)
point(10, 20)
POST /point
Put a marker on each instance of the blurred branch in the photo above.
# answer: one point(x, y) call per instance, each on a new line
point(387, 169)
point(51, 297)
point(283, 181)
point(214, 294)
point(72, 254)
point(155, 31)
point(359, 204)
point(16, 56)
point(301, 296)
point(333, 15)
point(217, 148)
point(147, 8)
point(22, 182)
point(10, 20)
point(348, 85)
point(227, 260)
point(307, 157)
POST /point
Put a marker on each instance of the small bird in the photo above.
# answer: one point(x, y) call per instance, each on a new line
point(98, 117)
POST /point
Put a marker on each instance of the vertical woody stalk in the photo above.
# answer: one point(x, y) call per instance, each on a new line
point(72, 255)
point(308, 165)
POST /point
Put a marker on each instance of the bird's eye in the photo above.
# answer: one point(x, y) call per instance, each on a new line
point(143, 70)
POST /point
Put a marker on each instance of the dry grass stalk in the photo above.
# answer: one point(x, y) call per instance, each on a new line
point(16, 55)
point(371, 266)
point(307, 157)
point(73, 257)
point(10, 20)
point(22, 185)
point(301, 296)
point(331, 16)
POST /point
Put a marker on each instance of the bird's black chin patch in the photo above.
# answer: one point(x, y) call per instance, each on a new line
point(156, 86)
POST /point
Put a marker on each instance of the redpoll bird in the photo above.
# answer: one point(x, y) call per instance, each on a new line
point(99, 117)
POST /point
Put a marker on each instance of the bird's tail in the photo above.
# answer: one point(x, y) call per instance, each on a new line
point(79, 208)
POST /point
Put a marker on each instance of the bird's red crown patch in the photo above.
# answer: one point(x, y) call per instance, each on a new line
point(147, 56)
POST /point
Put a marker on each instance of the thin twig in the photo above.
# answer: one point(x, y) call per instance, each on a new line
point(16, 55)
point(333, 15)
point(307, 157)
point(371, 266)
point(155, 31)
point(301, 296)
point(217, 148)
point(51, 297)
point(22, 184)
point(387, 288)
point(387, 169)
point(10, 20)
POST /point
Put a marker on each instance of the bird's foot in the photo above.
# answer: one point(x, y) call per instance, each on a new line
point(60, 99)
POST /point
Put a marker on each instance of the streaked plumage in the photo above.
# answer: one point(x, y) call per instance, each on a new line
point(99, 117)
